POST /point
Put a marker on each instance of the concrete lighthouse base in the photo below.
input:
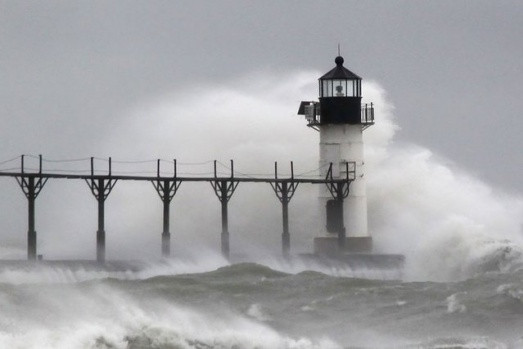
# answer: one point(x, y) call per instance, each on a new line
point(329, 246)
point(356, 254)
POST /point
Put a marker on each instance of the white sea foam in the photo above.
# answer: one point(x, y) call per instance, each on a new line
point(510, 290)
point(102, 317)
point(463, 343)
point(256, 311)
point(454, 304)
point(77, 272)
point(449, 224)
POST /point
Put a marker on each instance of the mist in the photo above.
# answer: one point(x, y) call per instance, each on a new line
point(447, 222)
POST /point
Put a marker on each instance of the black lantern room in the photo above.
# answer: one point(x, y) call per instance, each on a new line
point(340, 100)
point(340, 96)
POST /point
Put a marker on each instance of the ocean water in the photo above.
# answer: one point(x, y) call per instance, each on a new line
point(461, 286)
point(251, 305)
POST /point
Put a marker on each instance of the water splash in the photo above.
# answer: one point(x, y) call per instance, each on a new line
point(448, 223)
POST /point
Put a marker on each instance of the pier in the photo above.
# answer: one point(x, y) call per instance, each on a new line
point(167, 183)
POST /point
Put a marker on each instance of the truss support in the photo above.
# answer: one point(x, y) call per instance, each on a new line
point(339, 189)
point(284, 191)
point(101, 187)
point(224, 188)
point(166, 189)
point(31, 185)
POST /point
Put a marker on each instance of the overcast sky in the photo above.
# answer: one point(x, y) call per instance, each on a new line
point(453, 69)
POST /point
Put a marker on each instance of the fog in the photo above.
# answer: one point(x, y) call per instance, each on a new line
point(418, 202)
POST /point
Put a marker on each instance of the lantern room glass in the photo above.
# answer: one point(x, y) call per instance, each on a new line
point(340, 88)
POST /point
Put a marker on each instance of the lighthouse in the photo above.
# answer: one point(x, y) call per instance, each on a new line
point(341, 119)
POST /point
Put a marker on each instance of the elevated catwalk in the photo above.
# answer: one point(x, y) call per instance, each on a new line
point(32, 181)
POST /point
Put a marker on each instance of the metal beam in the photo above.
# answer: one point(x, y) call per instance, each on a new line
point(166, 189)
point(339, 191)
point(285, 191)
point(224, 188)
point(102, 184)
point(31, 185)
point(246, 179)
point(101, 187)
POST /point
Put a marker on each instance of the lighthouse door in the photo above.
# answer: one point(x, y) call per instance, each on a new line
point(334, 216)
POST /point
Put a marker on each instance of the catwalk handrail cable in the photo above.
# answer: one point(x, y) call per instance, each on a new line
point(147, 175)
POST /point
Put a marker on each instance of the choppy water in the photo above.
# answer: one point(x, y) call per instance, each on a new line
point(461, 287)
point(250, 305)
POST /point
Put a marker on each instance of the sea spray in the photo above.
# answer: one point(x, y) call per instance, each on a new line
point(101, 316)
point(449, 224)
point(418, 201)
point(252, 306)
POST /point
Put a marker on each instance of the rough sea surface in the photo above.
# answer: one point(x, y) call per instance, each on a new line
point(461, 286)
point(179, 304)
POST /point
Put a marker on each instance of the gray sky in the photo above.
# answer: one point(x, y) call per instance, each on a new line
point(453, 69)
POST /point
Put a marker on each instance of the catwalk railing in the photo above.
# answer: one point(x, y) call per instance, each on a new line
point(166, 182)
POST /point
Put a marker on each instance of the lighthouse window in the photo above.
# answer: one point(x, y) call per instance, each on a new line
point(340, 88)
point(350, 90)
point(327, 88)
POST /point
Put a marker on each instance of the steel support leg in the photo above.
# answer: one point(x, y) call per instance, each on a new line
point(285, 191)
point(31, 232)
point(285, 236)
point(100, 233)
point(101, 190)
point(341, 232)
point(31, 185)
point(339, 190)
point(166, 189)
point(340, 194)
point(225, 230)
point(166, 235)
point(224, 188)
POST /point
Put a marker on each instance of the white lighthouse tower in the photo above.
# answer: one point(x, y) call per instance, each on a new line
point(341, 120)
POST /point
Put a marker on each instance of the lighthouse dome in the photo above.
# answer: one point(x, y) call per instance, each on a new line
point(340, 72)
